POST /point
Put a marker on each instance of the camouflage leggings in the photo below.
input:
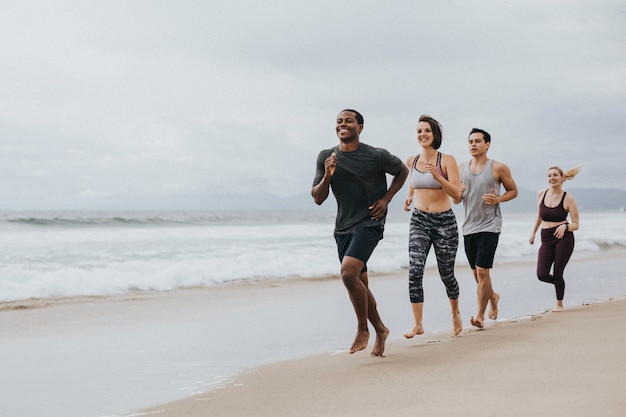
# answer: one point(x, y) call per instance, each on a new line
point(440, 231)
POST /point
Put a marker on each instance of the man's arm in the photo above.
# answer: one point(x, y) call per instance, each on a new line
point(409, 199)
point(379, 208)
point(320, 191)
point(397, 183)
point(503, 175)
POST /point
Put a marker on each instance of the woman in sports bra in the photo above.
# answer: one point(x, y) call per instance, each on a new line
point(557, 239)
point(433, 179)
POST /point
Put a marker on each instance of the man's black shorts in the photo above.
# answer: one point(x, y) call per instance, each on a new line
point(360, 244)
point(480, 249)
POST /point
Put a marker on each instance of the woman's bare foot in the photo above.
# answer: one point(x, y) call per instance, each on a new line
point(360, 341)
point(417, 329)
point(457, 322)
point(558, 307)
point(379, 344)
point(493, 311)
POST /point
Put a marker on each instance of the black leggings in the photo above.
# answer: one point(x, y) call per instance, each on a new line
point(432, 229)
point(555, 252)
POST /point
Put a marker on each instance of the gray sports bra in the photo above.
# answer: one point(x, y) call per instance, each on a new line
point(421, 179)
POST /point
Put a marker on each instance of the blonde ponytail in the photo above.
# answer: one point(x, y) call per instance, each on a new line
point(569, 174)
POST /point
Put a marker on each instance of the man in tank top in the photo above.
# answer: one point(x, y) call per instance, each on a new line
point(481, 178)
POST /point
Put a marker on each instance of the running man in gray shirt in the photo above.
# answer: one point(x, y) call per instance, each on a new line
point(481, 178)
point(356, 174)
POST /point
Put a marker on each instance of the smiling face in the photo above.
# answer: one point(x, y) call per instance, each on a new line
point(348, 129)
point(477, 144)
point(425, 135)
point(555, 177)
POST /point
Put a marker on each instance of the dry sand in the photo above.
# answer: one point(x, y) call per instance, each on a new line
point(554, 364)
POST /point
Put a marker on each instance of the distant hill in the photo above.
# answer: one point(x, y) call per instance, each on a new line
point(595, 199)
point(586, 198)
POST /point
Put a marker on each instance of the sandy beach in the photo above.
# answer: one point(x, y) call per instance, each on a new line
point(554, 364)
point(279, 348)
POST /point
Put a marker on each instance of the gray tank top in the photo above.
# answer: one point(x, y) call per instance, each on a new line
point(480, 217)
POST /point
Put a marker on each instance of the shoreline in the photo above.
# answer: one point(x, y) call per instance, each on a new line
point(568, 363)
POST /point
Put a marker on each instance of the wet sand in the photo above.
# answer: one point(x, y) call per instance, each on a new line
point(561, 364)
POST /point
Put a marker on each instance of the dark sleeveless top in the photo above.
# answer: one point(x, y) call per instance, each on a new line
point(552, 214)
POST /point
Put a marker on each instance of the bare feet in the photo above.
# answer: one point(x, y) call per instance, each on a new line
point(558, 307)
point(417, 329)
point(493, 311)
point(360, 341)
point(477, 323)
point(379, 345)
point(457, 323)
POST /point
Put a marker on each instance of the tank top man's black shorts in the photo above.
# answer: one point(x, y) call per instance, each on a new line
point(480, 249)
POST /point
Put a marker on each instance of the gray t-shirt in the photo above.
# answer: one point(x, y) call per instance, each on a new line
point(359, 180)
point(480, 217)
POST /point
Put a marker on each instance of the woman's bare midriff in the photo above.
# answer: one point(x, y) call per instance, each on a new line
point(431, 200)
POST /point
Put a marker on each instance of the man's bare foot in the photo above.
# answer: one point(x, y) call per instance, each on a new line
point(476, 323)
point(558, 307)
point(417, 329)
point(493, 311)
point(379, 344)
point(457, 323)
point(360, 341)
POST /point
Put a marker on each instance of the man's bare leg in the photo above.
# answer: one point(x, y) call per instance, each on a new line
point(379, 344)
point(457, 321)
point(484, 292)
point(472, 321)
point(493, 301)
point(417, 309)
point(382, 332)
point(358, 292)
point(558, 307)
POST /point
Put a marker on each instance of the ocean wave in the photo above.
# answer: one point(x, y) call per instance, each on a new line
point(61, 254)
point(158, 218)
point(97, 221)
point(609, 244)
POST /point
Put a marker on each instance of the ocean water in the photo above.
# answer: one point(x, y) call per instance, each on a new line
point(61, 254)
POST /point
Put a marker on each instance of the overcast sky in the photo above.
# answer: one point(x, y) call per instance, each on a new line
point(165, 104)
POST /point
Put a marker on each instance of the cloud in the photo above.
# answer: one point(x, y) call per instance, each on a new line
point(112, 103)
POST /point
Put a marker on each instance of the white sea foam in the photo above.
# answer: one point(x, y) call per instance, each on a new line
point(58, 254)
